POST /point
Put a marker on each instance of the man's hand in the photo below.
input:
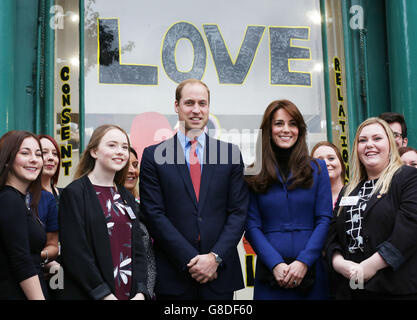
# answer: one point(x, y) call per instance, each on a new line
point(203, 268)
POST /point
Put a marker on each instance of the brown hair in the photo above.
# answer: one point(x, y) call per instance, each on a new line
point(54, 179)
point(3, 137)
point(338, 154)
point(10, 144)
point(87, 162)
point(178, 91)
point(403, 150)
point(299, 162)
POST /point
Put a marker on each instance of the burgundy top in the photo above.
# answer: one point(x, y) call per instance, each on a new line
point(119, 227)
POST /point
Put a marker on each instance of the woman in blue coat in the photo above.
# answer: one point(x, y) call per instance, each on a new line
point(290, 210)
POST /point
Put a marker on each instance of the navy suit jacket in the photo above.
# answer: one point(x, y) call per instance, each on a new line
point(177, 221)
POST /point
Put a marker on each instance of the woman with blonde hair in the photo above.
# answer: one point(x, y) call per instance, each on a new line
point(101, 240)
point(372, 240)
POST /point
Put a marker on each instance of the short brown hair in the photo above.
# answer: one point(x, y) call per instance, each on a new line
point(178, 91)
point(403, 150)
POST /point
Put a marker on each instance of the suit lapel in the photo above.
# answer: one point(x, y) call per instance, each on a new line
point(371, 202)
point(183, 170)
point(207, 173)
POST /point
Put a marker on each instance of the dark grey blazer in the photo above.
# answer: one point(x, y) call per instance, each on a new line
point(389, 228)
point(85, 244)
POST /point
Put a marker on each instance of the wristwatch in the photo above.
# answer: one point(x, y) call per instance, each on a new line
point(218, 259)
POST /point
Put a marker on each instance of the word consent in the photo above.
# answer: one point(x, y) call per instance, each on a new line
point(66, 149)
point(229, 70)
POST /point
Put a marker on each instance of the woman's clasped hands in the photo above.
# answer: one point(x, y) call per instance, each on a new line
point(358, 272)
point(290, 275)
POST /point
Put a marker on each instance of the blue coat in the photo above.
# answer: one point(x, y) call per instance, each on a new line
point(291, 223)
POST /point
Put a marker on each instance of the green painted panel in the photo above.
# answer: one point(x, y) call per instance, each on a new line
point(352, 74)
point(377, 86)
point(48, 126)
point(7, 23)
point(402, 49)
point(25, 61)
point(366, 60)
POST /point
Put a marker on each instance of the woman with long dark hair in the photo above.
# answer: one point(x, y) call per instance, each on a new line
point(22, 234)
point(290, 210)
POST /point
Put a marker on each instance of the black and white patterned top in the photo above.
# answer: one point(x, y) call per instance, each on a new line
point(355, 217)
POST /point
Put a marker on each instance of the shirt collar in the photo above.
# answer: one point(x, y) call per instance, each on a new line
point(183, 139)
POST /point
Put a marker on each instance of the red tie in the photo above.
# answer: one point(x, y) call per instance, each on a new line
point(195, 169)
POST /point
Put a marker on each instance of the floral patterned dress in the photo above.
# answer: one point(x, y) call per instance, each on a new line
point(119, 228)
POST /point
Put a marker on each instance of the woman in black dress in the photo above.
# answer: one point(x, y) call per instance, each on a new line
point(22, 234)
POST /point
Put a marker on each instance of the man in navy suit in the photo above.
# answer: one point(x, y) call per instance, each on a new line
point(195, 201)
